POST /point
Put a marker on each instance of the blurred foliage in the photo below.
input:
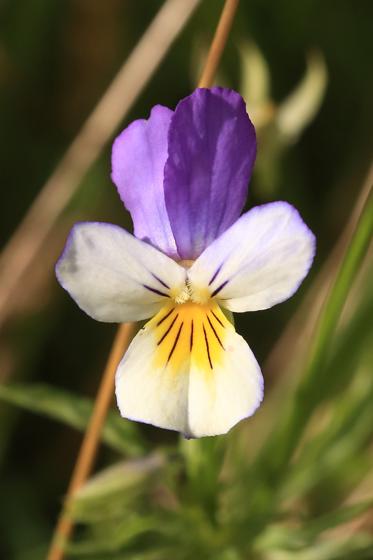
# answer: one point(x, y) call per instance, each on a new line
point(281, 485)
point(279, 126)
point(74, 411)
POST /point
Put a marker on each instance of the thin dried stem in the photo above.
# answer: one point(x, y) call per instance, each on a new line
point(88, 450)
point(90, 443)
point(218, 43)
point(131, 79)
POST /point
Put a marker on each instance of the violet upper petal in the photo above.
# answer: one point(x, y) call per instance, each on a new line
point(212, 148)
point(138, 159)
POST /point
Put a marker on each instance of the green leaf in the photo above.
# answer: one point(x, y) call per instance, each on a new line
point(118, 488)
point(335, 518)
point(280, 544)
point(307, 538)
point(338, 452)
point(125, 530)
point(75, 411)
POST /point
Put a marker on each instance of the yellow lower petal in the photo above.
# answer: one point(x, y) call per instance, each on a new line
point(188, 370)
point(190, 333)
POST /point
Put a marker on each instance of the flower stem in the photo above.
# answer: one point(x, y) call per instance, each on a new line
point(88, 450)
point(218, 43)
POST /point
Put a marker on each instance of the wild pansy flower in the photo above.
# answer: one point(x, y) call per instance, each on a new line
point(183, 175)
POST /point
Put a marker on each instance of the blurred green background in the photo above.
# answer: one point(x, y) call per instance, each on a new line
point(226, 497)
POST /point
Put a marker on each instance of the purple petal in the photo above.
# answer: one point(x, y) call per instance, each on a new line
point(212, 149)
point(138, 160)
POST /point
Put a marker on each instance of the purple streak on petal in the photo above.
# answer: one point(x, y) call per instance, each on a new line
point(212, 149)
point(138, 159)
point(215, 274)
point(219, 288)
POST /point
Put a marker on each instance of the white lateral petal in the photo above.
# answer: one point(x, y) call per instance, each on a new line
point(115, 277)
point(188, 370)
point(259, 261)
